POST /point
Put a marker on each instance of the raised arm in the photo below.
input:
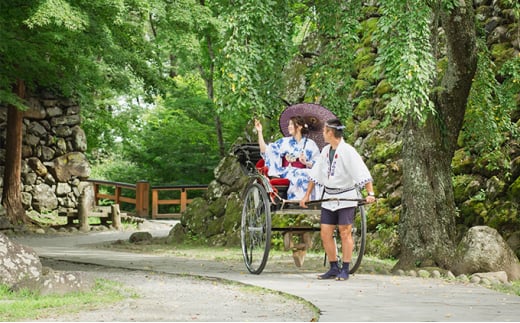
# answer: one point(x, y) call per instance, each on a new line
point(261, 141)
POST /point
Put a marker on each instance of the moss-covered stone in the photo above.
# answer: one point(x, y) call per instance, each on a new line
point(196, 222)
point(382, 88)
point(387, 177)
point(233, 215)
point(366, 127)
point(514, 191)
point(503, 215)
point(473, 212)
point(387, 151)
point(218, 207)
point(369, 73)
point(177, 235)
point(360, 86)
point(363, 109)
point(495, 187)
point(383, 242)
point(364, 58)
point(233, 171)
point(465, 186)
point(462, 162)
point(501, 53)
point(379, 213)
point(369, 27)
point(213, 226)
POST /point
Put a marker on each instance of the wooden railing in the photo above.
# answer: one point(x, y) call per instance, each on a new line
point(125, 192)
point(180, 198)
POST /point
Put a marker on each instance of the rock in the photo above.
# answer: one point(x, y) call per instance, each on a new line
point(21, 268)
point(514, 242)
point(483, 250)
point(44, 198)
point(412, 273)
point(61, 283)
point(500, 276)
point(79, 139)
point(423, 273)
point(474, 279)
point(70, 165)
point(463, 278)
point(140, 237)
point(18, 263)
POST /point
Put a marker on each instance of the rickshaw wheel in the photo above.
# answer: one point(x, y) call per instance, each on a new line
point(359, 234)
point(256, 228)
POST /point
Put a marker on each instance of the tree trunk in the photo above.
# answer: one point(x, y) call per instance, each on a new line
point(12, 194)
point(427, 224)
point(208, 79)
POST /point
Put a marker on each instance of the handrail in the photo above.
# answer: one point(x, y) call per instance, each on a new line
point(182, 201)
point(142, 196)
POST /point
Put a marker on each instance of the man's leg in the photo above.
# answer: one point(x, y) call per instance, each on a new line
point(327, 239)
point(345, 232)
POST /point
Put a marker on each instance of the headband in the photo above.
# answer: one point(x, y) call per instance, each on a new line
point(335, 127)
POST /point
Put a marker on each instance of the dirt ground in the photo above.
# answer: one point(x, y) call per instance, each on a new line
point(173, 298)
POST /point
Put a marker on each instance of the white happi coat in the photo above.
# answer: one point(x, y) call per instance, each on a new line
point(342, 178)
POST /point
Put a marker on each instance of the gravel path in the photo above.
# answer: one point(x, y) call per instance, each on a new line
point(175, 298)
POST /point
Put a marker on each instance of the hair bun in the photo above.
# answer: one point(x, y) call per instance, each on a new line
point(313, 123)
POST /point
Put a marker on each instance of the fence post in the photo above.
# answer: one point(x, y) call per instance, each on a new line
point(184, 199)
point(142, 193)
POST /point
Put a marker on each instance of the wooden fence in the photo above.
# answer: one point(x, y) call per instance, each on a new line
point(177, 196)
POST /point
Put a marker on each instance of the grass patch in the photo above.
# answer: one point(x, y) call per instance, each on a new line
point(512, 289)
point(24, 304)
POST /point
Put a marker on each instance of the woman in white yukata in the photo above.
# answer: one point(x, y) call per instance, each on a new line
point(290, 157)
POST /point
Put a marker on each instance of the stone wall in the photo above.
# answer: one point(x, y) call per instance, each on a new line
point(54, 166)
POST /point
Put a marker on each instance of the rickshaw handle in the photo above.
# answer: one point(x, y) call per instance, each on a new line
point(360, 201)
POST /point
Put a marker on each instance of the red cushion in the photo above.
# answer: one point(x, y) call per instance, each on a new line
point(279, 181)
point(260, 165)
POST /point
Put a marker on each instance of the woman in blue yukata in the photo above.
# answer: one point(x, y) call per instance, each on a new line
point(290, 157)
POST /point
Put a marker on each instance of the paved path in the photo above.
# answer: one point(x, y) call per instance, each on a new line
point(361, 298)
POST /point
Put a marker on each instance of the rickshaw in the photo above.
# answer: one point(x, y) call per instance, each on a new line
point(264, 197)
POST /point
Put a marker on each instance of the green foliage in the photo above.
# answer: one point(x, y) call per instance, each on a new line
point(174, 142)
point(91, 51)
point(487, 123)
point(330, 76)
point(384, 242)
point(252, 57)
point(406, 57)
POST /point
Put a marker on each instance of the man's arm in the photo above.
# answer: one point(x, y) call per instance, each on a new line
point(370, 191)
point(307, 195)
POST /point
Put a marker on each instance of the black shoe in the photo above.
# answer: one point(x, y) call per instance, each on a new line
point(343, 275)
point(332, 273)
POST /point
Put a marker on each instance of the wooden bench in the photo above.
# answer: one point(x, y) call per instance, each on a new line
point(110, 214)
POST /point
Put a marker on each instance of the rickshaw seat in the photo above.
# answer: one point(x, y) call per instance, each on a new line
point(260, 165)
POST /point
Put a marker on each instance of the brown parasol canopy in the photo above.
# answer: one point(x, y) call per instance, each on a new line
point(314, 115)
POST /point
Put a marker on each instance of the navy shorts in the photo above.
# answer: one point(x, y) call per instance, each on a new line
point(341, 216)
